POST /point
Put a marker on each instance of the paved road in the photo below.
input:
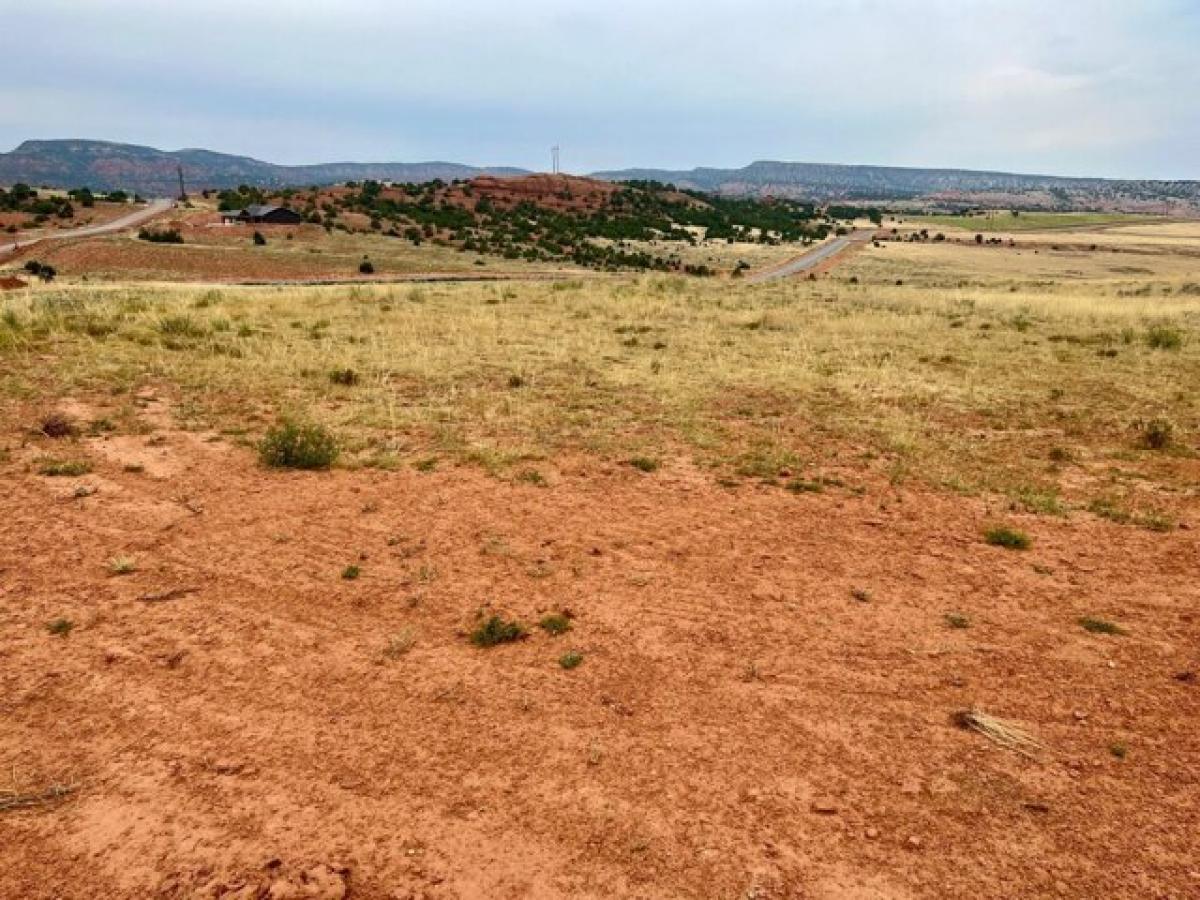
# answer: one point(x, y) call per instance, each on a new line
point(811, 259)
point(138, 217)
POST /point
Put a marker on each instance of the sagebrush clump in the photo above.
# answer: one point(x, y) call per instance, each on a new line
point(290, 445)
point(496, 630)
point(1009, 538)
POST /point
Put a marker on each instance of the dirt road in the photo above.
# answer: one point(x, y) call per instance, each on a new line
point(810, 260)
point(151, 210)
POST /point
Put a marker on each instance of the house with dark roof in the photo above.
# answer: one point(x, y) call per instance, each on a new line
point(264, 215)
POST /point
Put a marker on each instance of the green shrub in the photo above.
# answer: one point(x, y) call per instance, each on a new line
point(645, 463)
point(1009, 538)
point(556, 623)
point(181, 326)
point(351, 572)
point(293, 446)
point(570, 659)
point(64, 468)
point(1100, 626)
point(122, 565)
point(495, 630)
point(60, 627)
point(800, 486)
point(957, 620)
point(1157, 433)
point(1164, 337)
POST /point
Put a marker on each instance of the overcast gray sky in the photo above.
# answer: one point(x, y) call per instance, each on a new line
point(1088, 87)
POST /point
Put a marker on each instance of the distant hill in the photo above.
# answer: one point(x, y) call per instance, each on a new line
point(105, 166)
point(820, 181)
point(101, 165)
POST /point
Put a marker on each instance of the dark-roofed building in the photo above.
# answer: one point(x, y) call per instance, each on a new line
point(265, 215)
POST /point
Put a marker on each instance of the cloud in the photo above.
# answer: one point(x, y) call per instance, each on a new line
point(1096, 87)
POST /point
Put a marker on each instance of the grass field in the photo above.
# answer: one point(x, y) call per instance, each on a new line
point(1003, 384)
point(1028, 221)
point(229, 254)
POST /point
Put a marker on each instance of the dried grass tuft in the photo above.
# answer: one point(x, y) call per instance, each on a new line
point(999, 731)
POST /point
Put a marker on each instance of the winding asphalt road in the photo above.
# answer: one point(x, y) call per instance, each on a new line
point(139, 217)
point(811, 259)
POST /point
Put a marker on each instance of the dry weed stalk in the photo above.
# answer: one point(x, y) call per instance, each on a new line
point(999, 731)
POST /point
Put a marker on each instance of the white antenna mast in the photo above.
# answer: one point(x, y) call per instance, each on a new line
point(555, 167)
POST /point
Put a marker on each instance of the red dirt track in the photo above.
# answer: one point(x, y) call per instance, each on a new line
point(741, 726)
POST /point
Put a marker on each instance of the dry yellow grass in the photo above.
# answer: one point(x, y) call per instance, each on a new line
point(1009, 383)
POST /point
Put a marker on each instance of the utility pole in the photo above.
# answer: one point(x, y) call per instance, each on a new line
point(554, 160)
point(182, 193)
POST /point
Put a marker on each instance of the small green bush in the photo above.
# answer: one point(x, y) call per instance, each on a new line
point(495, 630)
point(570, 659)
point(60, 627)
point(122, 565)
point(556, 623)
point(957, 620)
point(1009, 538)
point(351, 572)
point(1164, 337)
point(1100, 626)
point(645, 463)
point(64, 468)
point(801, 486)
point(294, 446)
point(1157, 433)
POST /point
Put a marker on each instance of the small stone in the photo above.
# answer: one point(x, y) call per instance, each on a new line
point(914, 842)
point(872, 833)
point(1080, 715)
point(824, 807)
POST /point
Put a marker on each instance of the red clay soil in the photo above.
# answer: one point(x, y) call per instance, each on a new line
point(8, 283)
point(742, 725)
point(559, 192)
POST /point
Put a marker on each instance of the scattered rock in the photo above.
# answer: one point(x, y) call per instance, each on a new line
point(872, 833)
point(825, 807)
point(914, 843)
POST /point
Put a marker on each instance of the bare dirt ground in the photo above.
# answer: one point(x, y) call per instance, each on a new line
point(763, 709)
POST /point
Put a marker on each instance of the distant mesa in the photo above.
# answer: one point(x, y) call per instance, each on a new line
point(102, 165)
point(105, 166)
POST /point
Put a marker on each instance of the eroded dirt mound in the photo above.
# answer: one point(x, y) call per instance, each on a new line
point(265, 685)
